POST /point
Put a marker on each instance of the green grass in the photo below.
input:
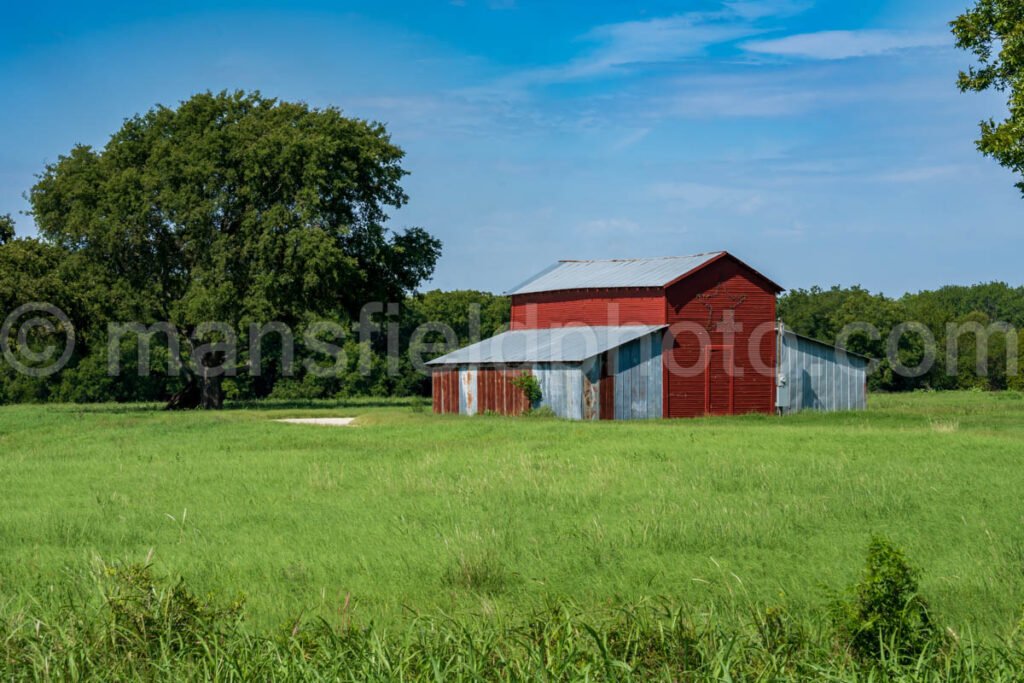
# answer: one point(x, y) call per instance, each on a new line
point(489, 517)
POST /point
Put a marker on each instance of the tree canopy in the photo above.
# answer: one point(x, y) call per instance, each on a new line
point(993, 30)
point(235, 208)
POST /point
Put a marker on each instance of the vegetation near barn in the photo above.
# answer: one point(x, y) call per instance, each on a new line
point(411, 544)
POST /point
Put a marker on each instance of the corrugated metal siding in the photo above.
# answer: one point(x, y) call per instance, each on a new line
point(703, 299)
point(496, 392)
point(600, 307)
point(561, 388)
point(592, 388)
point(467, 391)
point(638, 378)
point(642, 272)
point(816, 376)
point(445, 390)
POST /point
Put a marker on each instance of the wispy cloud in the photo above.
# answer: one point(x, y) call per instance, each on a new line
point(629, 139)
point(919, 174)
point(829, 45)
point(619, 46)
point(759, 9)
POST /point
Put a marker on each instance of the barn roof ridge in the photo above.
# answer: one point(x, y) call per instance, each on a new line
point(641, 258)
point(653, 272)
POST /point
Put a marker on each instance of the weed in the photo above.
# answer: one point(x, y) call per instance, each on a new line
point(483, 573)
point(530, 387)
point(885, 617)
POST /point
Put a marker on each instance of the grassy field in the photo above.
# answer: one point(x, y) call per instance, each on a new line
point(411, 512)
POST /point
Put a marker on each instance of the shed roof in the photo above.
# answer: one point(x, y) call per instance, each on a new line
point(552, 345)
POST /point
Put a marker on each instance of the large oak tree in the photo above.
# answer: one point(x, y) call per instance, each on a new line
point(236, 208)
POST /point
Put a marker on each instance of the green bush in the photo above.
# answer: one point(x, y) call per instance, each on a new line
point(885, 618)
point(530, 387)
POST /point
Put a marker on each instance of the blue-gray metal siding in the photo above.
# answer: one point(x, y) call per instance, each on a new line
point(561, 388)
point(816, 376)
point(638, 379)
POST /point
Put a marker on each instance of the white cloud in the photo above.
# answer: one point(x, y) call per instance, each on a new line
point(661, 40)
point(846, 44)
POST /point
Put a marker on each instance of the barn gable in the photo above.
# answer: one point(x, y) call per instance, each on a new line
point(615, 291)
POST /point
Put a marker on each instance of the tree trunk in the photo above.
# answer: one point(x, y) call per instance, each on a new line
point(186, 399)
point(200, 391)
point(212, 395)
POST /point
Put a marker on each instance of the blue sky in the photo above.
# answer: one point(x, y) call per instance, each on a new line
point(823, 142)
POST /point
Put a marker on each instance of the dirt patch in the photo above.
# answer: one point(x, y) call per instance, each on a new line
point(323, 421)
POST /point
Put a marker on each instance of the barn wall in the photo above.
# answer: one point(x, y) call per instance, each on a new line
point(496, 392)
point(638, 379)
point(594, 307)
point(561, 386)
point(445, 390)
point(472, 390)
point(816, 376)
point(703, 300)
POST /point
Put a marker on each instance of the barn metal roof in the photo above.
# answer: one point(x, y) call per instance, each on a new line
point(636, 272)
point(555, 345)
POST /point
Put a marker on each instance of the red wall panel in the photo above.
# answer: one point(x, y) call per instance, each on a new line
point(444, 386)
point(495, 391)
point(700, 310)
point(641, 306)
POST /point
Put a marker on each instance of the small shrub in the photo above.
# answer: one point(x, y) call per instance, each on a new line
point(530, 387)
point(147, 615)
point(885, 618)
point(418, 404)
point(543, 411)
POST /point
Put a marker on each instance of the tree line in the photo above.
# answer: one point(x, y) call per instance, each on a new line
point(954, 337)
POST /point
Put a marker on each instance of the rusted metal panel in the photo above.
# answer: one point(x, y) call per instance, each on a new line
point(492, 391)
point(445, 390)
point(592, 388)
point(467, 390)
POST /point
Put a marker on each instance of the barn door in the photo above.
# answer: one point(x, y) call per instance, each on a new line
point(718, 376)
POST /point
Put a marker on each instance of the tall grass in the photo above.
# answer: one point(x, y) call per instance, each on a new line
point(130, 625)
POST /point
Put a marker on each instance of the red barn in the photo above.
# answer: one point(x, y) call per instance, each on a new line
point(627, 338)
